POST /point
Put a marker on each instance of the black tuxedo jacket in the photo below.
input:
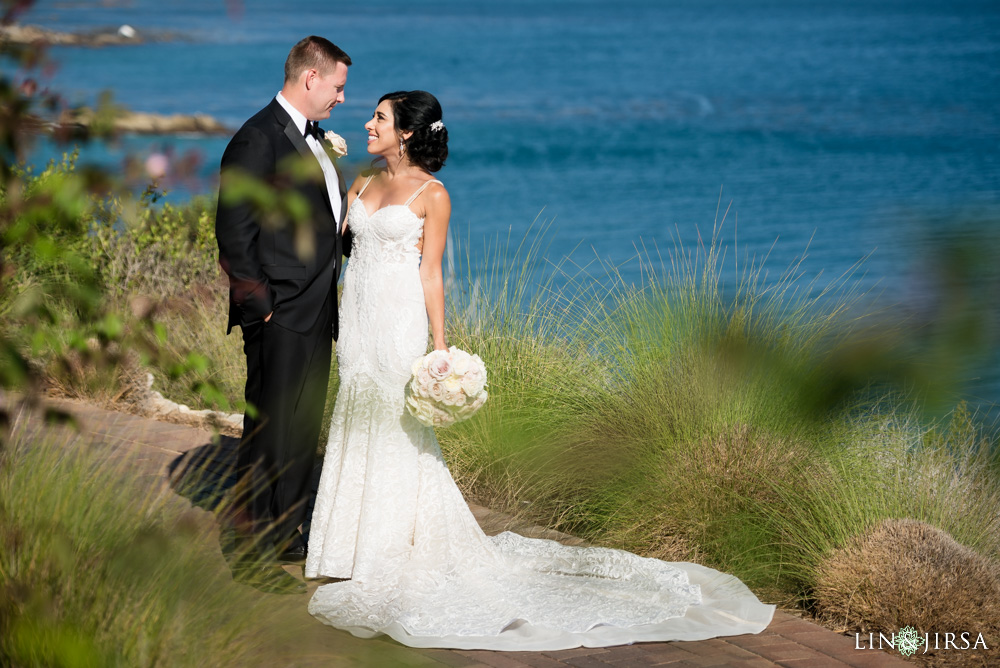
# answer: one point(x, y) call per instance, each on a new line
point(257, 246)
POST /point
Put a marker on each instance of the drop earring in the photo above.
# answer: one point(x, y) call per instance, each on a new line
point(402, 148)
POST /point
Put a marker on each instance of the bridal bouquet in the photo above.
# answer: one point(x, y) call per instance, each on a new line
point(448, 386)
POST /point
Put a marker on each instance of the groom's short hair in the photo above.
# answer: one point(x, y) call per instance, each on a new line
point(314, 52)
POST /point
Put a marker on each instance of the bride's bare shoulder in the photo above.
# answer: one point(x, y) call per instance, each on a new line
point(362, 178)
point(436, 192)
point(436, 201)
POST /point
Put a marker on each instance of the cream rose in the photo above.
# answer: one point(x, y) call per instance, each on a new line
point(472, 384)
point(425, 413)
point(337, 143)
point(467, 388)
point(442, 418)
point(436, 391)
point(454, 398)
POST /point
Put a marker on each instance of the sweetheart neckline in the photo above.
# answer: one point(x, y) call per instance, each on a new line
point(358, 200)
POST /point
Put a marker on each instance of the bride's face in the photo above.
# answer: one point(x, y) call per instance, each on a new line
point(382, 137)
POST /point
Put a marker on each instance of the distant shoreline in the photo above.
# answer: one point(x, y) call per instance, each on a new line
point(121, 36)
point(143, 123)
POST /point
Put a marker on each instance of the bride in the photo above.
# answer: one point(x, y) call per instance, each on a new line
point(389, 522)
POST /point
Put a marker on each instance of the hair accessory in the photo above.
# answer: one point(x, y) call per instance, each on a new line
point(437, 126)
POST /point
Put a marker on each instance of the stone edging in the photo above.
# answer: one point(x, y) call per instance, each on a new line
point(159, 407)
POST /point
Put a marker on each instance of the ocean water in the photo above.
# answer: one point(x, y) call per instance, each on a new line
point(838, 131)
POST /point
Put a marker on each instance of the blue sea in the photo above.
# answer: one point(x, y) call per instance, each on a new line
point(838, 132)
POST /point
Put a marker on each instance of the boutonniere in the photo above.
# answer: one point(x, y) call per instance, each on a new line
point(336, 143)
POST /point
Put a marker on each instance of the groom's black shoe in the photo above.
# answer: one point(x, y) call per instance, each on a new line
point(293, 555)
point(268, 578)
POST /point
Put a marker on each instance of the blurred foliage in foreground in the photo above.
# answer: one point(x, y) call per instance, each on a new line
point(86, 275)
point(74, 243)
point(101, 565)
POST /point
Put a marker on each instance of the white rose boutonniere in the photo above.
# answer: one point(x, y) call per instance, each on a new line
point(337, 143)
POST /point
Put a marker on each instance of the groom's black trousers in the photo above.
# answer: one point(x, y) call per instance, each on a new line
point(287, 377)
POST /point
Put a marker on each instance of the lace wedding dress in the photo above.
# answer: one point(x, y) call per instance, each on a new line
point(389, 517)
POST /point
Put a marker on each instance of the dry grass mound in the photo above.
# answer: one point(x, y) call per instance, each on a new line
point(908, 573)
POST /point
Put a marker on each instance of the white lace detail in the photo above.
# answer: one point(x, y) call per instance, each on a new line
point(389, 516)
point(381, 343)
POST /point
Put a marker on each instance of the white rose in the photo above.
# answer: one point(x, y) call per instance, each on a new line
point(337, 143)
point(472, 384)
point(424, 378)
point(452, 384)
point(461, 361)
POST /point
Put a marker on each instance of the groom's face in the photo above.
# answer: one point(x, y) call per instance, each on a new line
point(326, 91)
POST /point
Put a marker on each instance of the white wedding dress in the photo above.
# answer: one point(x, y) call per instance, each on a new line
point(389, 517)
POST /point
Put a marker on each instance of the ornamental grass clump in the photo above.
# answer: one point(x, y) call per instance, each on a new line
point(701, 500)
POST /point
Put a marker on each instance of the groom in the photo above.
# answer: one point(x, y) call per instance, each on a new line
point(283, 262)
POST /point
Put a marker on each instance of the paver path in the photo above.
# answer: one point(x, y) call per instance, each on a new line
point(788, 641)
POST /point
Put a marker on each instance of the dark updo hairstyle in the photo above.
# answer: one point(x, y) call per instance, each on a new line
point(414, 112)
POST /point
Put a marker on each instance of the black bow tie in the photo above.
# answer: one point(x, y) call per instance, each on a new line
point(312, 129)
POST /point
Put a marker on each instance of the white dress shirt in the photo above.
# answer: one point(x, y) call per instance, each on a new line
point(329, 171)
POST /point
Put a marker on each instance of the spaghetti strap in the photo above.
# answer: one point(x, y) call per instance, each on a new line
point(362, 191)
point(419, 190)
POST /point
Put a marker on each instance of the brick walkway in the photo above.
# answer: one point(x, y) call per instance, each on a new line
point(788, 641)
